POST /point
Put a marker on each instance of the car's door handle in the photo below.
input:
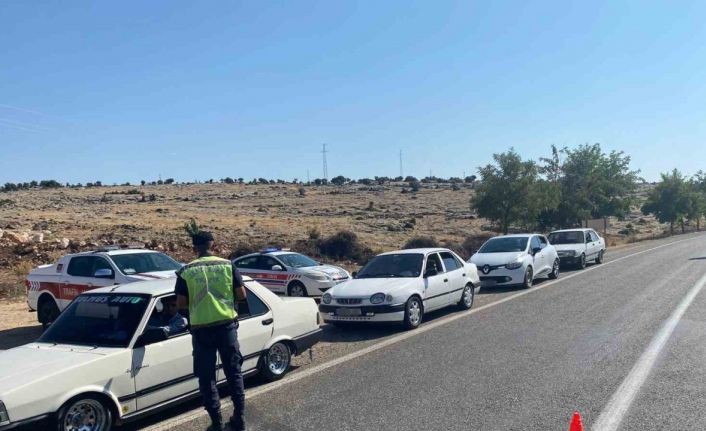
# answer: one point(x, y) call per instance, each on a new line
point(267, 321)
point(464, 275)
point(446, 280)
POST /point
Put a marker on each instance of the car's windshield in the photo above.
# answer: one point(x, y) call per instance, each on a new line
point(505, 245)
point(393, 265)
point(102, 320)
point(296, 260)
point(570, 237)
point(138, 263)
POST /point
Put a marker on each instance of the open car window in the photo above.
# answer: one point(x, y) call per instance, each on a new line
point(253, 306)
point(165, 315)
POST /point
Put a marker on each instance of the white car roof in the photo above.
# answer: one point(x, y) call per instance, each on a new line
point(415, 251)
point(113, 252)
point(578, 229)
point(149, 287)
point(514, 235)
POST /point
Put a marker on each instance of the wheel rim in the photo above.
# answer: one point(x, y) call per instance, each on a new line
point(556, 268)
point(278, 359)
point(414, 311)
point(296, 290)
point(583, 261)
point(529, 278)
point(85, 415)
point(468, 296)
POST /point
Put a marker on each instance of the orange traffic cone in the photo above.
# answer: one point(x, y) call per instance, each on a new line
point(576, 424)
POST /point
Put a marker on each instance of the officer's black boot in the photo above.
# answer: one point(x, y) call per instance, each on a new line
point(216, 422)
point(237, 422)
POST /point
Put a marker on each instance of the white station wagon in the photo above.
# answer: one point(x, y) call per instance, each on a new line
point(401, 286)
point(103, 361)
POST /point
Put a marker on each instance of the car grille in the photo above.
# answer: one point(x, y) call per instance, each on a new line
point(349, 301)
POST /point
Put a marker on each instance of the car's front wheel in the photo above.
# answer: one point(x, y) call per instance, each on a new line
point(276, 361)
point(555, 270)
point(529, 278)
point(466, 301)
point(413, 313)
point(84, 413)
point(582, 262)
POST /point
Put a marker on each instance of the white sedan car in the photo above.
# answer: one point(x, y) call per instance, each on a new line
point(401, 286)
point(106, 360)
point(292, 274)
point(577, 246)
point(516, 260)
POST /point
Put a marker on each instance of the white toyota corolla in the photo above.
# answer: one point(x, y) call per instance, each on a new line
point(107, 359)
point(516, 260)
point(401, 286)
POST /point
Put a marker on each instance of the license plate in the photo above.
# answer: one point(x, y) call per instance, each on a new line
point(348, 312)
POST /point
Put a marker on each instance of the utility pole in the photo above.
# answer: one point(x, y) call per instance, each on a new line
point(401, 168)
point(307, 177)
point(324, 151)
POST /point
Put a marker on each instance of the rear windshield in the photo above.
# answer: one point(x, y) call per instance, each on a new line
point(505, 245)
point(101, 320)
point(572, 237)
point(138, 263)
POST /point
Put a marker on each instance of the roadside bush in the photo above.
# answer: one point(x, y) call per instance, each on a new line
point(421, 242)
point(313, 233)
point(344, 245)
point(302, 191)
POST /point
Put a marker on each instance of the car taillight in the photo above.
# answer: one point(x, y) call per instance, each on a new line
point(27, 285)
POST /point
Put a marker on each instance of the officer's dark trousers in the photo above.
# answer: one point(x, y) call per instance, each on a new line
point(224, 340)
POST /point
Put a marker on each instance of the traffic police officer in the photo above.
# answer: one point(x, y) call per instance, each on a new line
point(208, 288)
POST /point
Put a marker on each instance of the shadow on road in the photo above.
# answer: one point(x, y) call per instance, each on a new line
point(698, 258)
point(14, 337)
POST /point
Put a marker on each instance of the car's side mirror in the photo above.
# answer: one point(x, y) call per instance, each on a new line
point(277, 268)
point(536, 250)
point(430, 272)
point(354, 274)
point(151, 336)
point(104, 273)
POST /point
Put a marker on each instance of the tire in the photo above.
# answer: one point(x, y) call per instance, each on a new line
point(47, 311)
point(86, 413)
point(467, 297)
point(555, 270)
point(275, 362)
point(529, 278)
point(581, 264)
point(296, 288)
point(413, 313)
point(599, 259)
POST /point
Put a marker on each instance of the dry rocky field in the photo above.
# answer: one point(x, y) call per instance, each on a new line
point(37, 226)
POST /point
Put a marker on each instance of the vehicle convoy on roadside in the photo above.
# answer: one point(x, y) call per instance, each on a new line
point(578, 246)
point(103, 363)
point(401, 286)
point(292, 274)
point(50, 288)
point(516, 260)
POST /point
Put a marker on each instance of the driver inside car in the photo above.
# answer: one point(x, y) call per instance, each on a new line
point(169, 319)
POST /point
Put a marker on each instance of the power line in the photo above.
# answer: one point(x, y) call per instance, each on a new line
point(324, 151)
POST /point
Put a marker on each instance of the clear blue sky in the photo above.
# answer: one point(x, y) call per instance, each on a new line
point(127, 90)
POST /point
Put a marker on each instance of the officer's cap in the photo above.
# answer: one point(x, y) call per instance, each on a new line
point(201, 237)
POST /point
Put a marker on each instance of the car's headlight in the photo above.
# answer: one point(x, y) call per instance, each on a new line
point(378, 298)
point(326, 299)
point(317, 277)
point(514, 265)
point(4, 417)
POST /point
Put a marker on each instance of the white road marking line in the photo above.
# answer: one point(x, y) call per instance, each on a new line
point(614, 412)
point(198, 413)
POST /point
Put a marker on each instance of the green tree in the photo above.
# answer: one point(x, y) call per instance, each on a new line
point(339, 180)
point(669, 200)
point(510, 191)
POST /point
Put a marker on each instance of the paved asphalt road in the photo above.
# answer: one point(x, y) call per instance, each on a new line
point(523, 364)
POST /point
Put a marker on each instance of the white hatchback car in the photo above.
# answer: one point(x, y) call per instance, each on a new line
point(401, 286)
point(516, 260)
point(577, 246)
point(106, 361)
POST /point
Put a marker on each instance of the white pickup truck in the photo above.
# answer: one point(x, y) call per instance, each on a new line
point(50, 288)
